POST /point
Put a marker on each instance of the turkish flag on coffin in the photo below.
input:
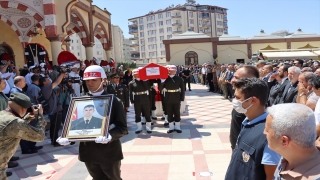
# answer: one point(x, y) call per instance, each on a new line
point(153, 71)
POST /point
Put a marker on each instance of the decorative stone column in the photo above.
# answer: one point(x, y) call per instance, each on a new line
point(89, 52)
point(55, 50)
point(108, 55)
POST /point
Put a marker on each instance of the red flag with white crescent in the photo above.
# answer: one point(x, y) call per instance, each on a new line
point(75, 115)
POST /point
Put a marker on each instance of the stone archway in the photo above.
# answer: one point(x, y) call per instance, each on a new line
point(6, 49)
point(101, 34)
point(191, 57)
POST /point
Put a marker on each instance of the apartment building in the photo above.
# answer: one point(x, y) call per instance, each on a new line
point(148, 31)
point(79, 50)
point(117, 52)
point(127, 49)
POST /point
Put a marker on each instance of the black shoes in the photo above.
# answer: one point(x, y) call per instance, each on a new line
point(12, 164)
point(14, 158)
point(37, 147)
point(32, 151)
point(170, 131)
point(154, 118)
point(9, 174)
point(166, 124)
point(178, 131)
point(190, 90)
point(138, 132)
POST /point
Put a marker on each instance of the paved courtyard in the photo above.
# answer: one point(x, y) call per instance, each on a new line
point(202, 148)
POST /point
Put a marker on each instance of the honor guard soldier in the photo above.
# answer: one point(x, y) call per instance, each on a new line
point(103, 156)
point(173, 92)
point(76, 80)
point(139, 97)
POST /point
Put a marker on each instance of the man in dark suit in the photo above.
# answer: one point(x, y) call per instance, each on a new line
point(277, 83)
point(290, 91)
point(87, 121)
point(267, 71)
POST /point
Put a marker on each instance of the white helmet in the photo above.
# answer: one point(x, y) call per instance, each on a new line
point(94, 72)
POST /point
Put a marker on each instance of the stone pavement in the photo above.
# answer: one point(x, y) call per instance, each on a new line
point(203, 146)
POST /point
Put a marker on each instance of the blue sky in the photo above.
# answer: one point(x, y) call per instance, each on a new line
point(245, 17)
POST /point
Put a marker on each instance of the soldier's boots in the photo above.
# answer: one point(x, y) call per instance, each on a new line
point(171, 128)
point(177, 127)
point(148, 127)
point(153, 116)
point(163, 116)
point(166, 122)
point(8, 173)
point(12, 164)
point(143, 120)
point(139, 128)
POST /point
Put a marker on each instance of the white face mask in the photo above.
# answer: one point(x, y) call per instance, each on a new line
point(237, 105)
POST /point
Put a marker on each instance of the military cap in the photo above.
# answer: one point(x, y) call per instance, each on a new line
point(115, 76)
point(21, 99)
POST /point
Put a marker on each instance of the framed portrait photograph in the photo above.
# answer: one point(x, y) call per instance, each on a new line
point(87, 118)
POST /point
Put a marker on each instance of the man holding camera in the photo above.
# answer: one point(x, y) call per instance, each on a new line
point(14, 126)
point(55, 107)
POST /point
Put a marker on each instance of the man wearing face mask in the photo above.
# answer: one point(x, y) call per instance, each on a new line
point(252, 158)
point(237, 118)
point(173, 92)
point(102, 157)
point(139, 97)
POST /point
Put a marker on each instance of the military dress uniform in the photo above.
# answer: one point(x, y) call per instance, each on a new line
point(173, 93)
point(102, 159)
point(120, 91)
point(139, 96)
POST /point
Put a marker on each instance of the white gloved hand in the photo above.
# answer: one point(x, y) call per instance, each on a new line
point(163, 80)
point(63, 141)
point(103, 139)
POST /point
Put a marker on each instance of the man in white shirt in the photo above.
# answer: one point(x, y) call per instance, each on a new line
point(203, 73)
point(28, 76)
point(315, 82)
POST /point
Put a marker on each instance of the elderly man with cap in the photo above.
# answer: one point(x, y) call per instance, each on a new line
point(139, 97)
point(173, 92)
point(76, 79)
point(15, 126)
point(103, 156)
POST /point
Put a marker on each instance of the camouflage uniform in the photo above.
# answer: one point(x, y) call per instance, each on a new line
point(12, 130)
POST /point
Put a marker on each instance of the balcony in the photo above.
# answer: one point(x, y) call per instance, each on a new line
point(177, 24)
point(205, 18)
point(177, 32)
point(133, 25)
point(133, 31)
point(135, 56)
point(207, 32)
point(134, 45)
point(206, 26)
point(133, 38)
point(225, 20)
point(176, 16)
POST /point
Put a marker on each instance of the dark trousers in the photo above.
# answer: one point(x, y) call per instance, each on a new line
point(163, 105)
point(104, 171)
point(230, 90)
point(64, 113)
point(185, 83)
point(204, 79)
point(144, 109)
point(211, 86)
point(28, 145)
point(173, 110)
point(55, 123)
point(153, 100)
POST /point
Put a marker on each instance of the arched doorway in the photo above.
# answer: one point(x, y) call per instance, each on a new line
point(6, 52)
point(36, 54)
point(191, 57)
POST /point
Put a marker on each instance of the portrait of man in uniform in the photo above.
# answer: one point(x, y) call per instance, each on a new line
point(88, 121)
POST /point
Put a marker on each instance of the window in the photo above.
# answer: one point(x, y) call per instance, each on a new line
point(161, 45)
point(142, 48)
point(99, 46)
point(161, 30)
point(141, 20)
point(150, 54)
point(141, 34)
point(161, 38)
point(154, 46)
point(71, 41)
point(200, 21)
point(191, 21)
point(142, 41)
point(72, 48)
point(153, 39)
point(160, 16)
point(143, 55)
point(169, 29)
point(141, 27)
point(77, 41)
point(99, 52)
point(190, 14)
point(78, 54)
point(168, 22)
point(168, 14)
point(169, 36)
point(160, 23)
point(78, 47)
point(163, 53)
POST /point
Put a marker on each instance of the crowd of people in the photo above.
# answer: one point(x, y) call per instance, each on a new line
point(275, 124)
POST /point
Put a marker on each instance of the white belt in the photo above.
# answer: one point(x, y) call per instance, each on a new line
point(140, 93)
point(164, 90)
